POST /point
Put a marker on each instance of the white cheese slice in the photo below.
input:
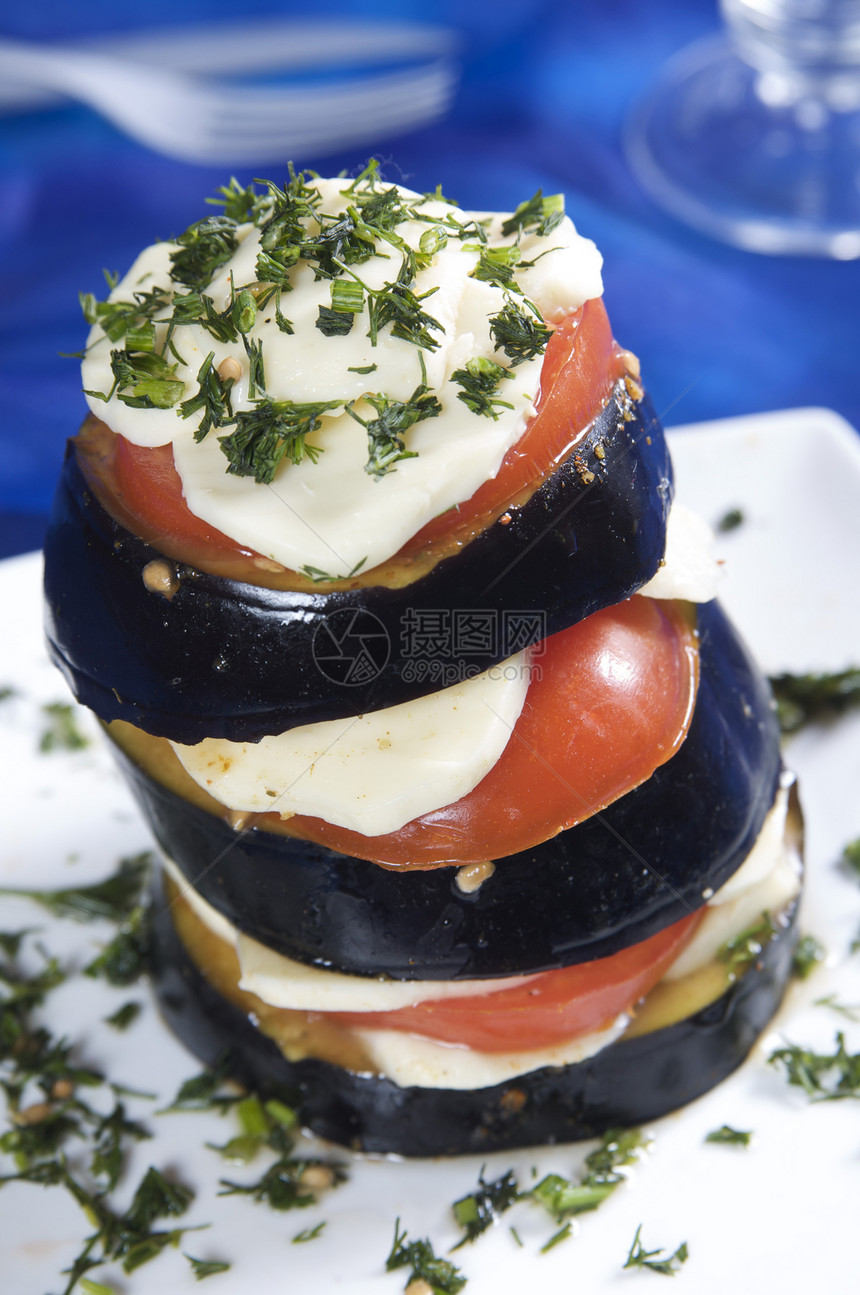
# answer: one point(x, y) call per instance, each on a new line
point(410, 1061)
point(284, 983)
point(371, 773)
point(332, 515)
point(689, 569)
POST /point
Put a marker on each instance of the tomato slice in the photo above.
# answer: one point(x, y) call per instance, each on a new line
point(142, 489)
point(548, 1009)
point(610, 699)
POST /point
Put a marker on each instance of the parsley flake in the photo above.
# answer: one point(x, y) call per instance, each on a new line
point(657, 1260)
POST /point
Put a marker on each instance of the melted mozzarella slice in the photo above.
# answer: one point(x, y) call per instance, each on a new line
point(412, 1062)
point(689, 569)
point(371, 773)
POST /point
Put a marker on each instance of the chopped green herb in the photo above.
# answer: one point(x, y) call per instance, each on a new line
point(618, 1147)
point(363, 368)
point(851, 856)
point(205, 245)
point(481, 1209)
point(145, 381)
point(273, 431)
point(657, 1260)
point(308, 1234)
point(114, 900)
point(496, 265)
point(385, 433)
point(317, 575)
point(822, 1076)
point(561, 1197)
point(541, 214)
point(280, 1187)
point(157, 1197)
point(519, 332)
point(851, 1010)
point(90, 1287)
point(119, 318)
point(210, 1090)
point(730, 520)
point(7, 691)
point(11, 941)
point(334, 323)
point(61, 732)
point(124, 1016)
point(126, 958)
point(563, 1234)
point(808, 954)
point(729, 1136)
point(419, 1258)
point(213, 397)
point(744, 949)
point(240, 203)
point(479, 382)
point(803, 698)
point(207, 1267)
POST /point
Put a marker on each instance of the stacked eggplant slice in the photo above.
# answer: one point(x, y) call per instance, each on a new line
point(476, 836)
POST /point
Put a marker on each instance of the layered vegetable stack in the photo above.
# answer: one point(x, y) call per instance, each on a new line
point(474, 827)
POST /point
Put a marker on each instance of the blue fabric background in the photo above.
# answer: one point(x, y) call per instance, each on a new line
point(546, 89)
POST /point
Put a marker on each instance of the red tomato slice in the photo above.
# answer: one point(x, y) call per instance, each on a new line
point(550, 1008)
point(141, 486)
point(610, 699)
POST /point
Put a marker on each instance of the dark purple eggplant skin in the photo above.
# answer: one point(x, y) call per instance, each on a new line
point(629, 1083)
point(619, 877)
point(226, 659)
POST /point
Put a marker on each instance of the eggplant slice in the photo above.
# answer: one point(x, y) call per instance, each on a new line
point(220, 658)
point(609, 882)
point(630, 1082)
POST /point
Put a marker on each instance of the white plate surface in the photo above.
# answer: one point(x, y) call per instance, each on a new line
point(779, 1215)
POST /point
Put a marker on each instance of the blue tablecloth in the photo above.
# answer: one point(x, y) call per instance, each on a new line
point(545, 92)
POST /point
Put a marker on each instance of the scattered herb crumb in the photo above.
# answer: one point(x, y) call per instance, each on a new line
point(851, 856)
point(822, 1076)
point(657, 1260)
point(807, 956)
point(803, 698)
point(851, 1010)
point(124, 1016)
point(207, 1267)
point(61, 732)
point(441, 1275)
point(480, 1209)
point(730, 1137)
point(309, 1234)
point(731, 519)
point(563, 1234)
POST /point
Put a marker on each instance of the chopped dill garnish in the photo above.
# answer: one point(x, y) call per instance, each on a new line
point(272, 431)
point(113, 900)
point(801, 699)
point(478, 383)
point(727, 1136)
point(657, 1260)
point(61, 732)
point(124, 1016)
point(822, 1076)
point(807, 955)
point(540, 214)
point(419, 1258)
point(203, 248)
point(519, 332)
point(745, 948)
point(481, 1208)
point(731, 519)
point(385, 433)
point(207, 1267)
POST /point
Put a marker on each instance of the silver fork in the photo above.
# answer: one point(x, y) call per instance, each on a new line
point(204, 120)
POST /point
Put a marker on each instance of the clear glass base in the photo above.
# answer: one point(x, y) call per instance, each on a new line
point(751, 157)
